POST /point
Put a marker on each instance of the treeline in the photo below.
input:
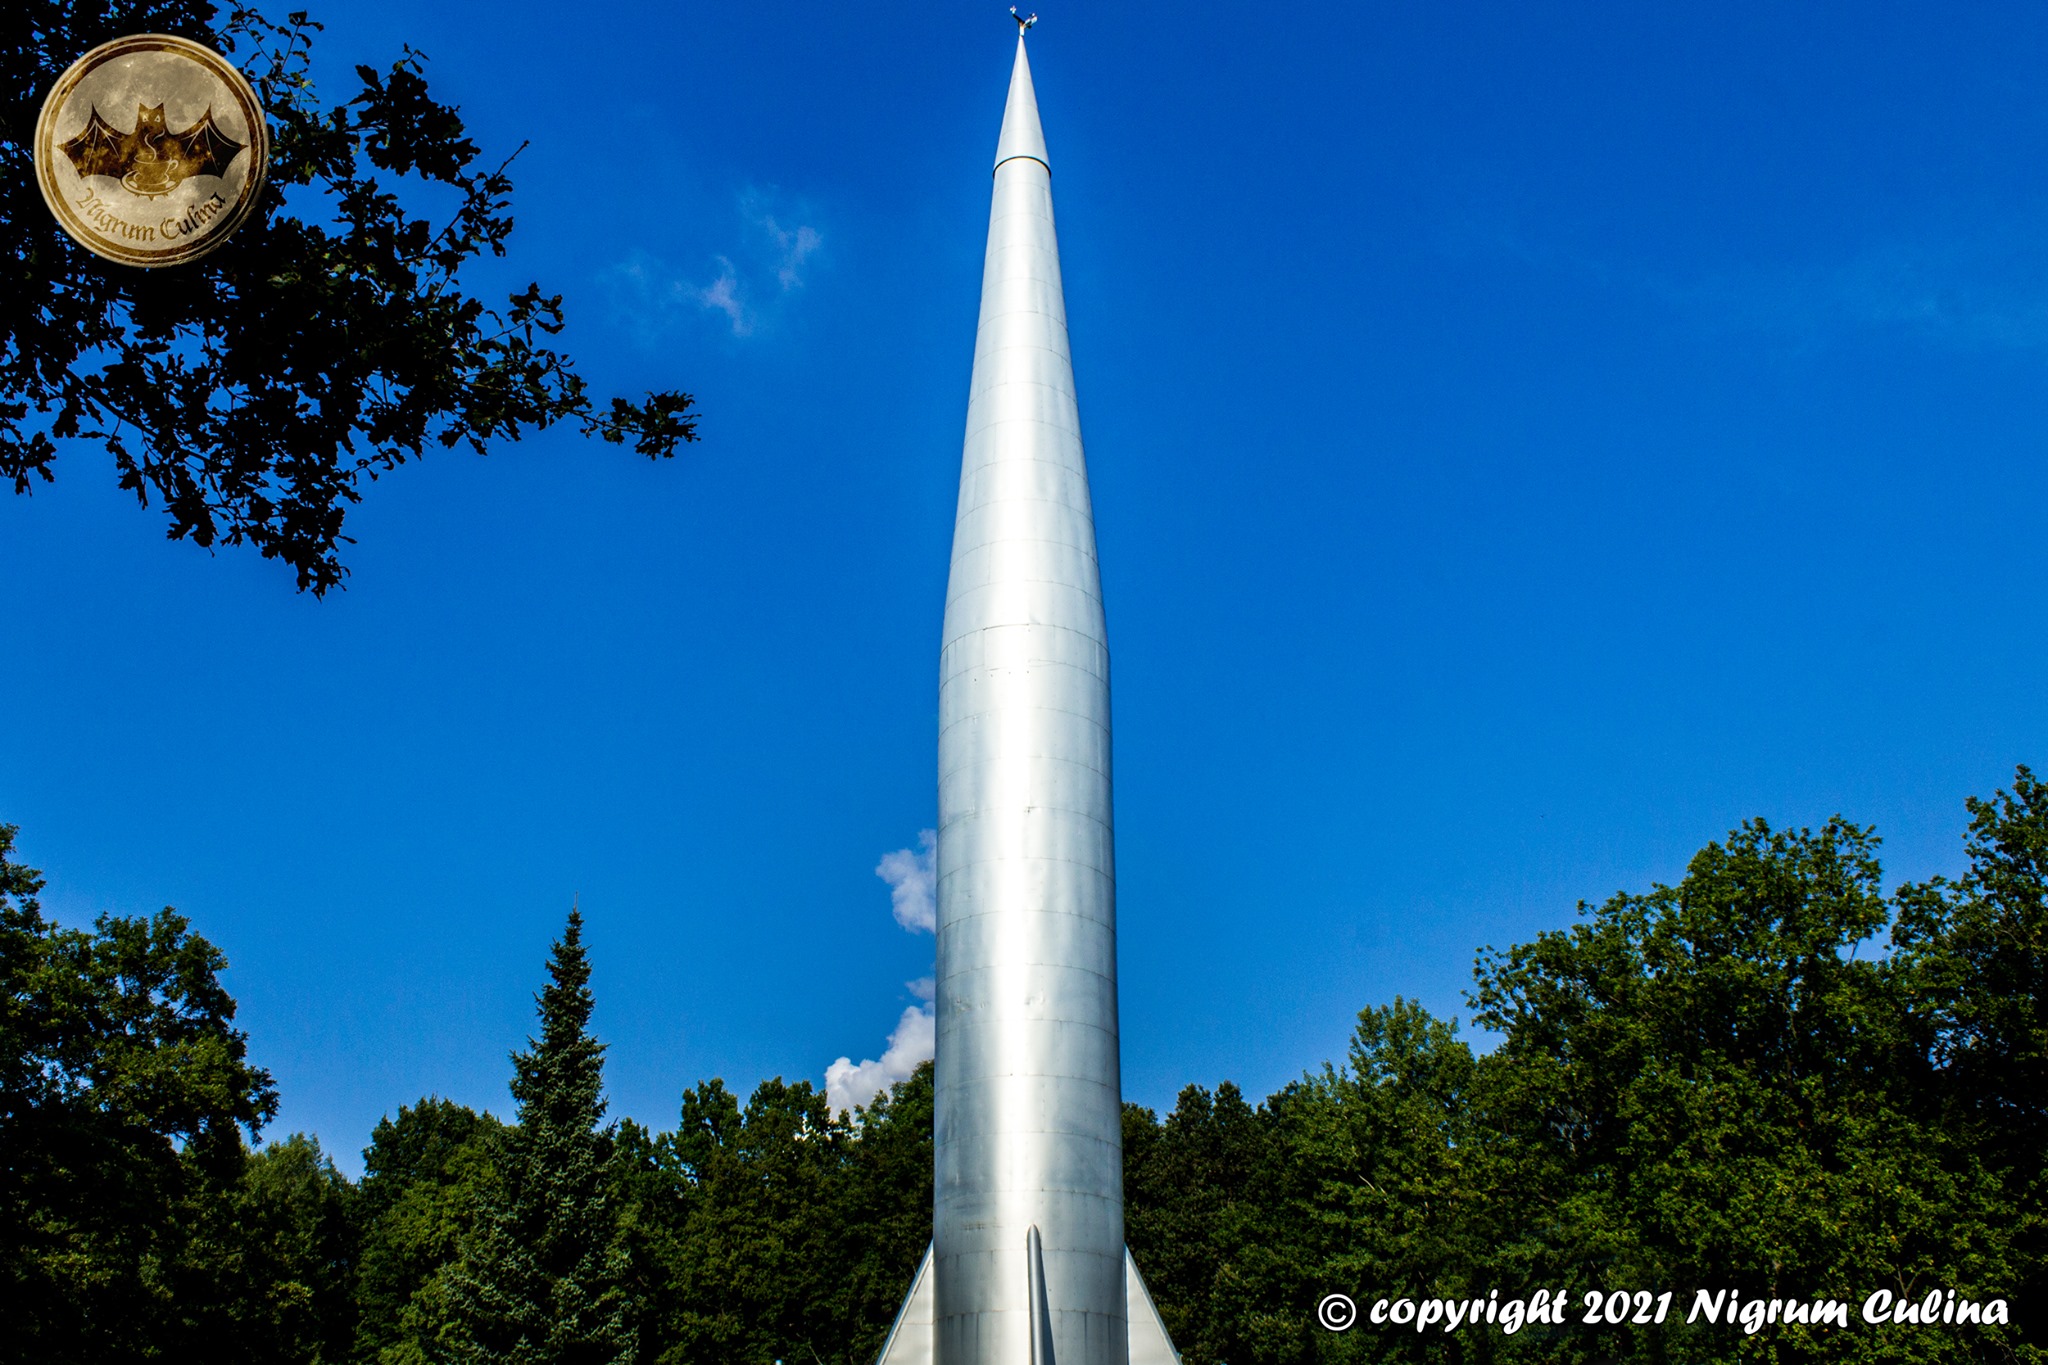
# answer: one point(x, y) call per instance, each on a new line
point(1773, 1078)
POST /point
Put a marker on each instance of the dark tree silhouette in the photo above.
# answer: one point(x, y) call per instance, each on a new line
point(253, 394)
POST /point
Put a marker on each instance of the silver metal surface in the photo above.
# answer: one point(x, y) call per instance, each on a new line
point(1027, 1264)
point(910, 1337)
point(1029, 1104)
point(1035, 1298)
point(1150, 1344)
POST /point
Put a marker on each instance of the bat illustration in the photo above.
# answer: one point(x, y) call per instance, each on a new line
point(151, 160)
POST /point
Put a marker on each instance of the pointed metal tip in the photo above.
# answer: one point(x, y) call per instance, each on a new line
point(1022, 135)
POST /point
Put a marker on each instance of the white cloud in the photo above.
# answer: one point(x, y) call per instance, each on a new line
point(797, 247)
point(913, 895)
point(789, 247)
point(723, 295)
point(913, 883)
point(848, 1084)
point(749, 291)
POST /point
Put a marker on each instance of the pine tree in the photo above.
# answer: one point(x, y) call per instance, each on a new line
point(542, 1276)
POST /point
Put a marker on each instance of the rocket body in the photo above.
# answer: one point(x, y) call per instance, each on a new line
point(1027, 1263)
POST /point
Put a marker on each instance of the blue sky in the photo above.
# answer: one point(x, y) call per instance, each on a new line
point(1526, 442)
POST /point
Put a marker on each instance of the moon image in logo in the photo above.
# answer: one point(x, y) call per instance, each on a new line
point(151, 150)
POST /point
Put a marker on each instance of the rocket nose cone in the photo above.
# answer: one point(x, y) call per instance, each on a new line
point(1022, 135)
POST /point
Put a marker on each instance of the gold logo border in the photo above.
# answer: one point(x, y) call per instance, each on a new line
point(222, 227)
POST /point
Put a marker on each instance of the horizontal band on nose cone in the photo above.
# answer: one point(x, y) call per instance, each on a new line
point(1022, 135)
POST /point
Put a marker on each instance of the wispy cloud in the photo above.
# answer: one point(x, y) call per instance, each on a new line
point(751, 286)
point(850, 1085)
point(789, 247)
point(1967, 288)
point(912, 875)
point(723, 295)
point(1971, 294)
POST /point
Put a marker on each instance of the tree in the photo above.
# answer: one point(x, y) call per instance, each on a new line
point(1973, 954)
point(268, 1274)
point(1207, 1219)
point(124, 1093)
point(749, 1267)
point(1388, 1177)
point(778, 1230)
point(1710, 1085)
point(1360, 1179)
point(885, 1212)
point(427, 1176)
point(255, 393)
point(541, 1280)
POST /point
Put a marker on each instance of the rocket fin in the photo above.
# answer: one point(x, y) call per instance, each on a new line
point(1150, 1345)
point(1036, 1303)
point(910, 1339)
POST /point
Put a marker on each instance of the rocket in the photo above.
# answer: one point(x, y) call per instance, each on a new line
point(1027, 1263)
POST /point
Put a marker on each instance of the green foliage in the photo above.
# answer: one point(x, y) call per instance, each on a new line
point(541, 1273)
point(773, 1230)
point(268, 1275)
point(752, 1251)
point(253, 394)
point(1974, 957)
point(1707, 1086)
point(1209, 1225)
point(781, 1231)
point(883, 1210)
point(1389, 1178)
point(124, 1090)
point(428, 1176)
point(1714, 1085)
